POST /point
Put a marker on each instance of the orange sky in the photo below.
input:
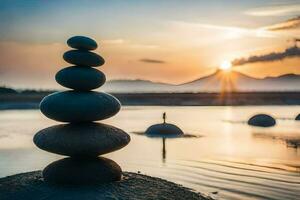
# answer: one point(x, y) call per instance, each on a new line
point(188, 45)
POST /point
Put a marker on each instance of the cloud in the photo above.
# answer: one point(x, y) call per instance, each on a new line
point(144, 46)
point(130, 44)
point(275, 10)
point(274, 56)
point(154, 61)
point(286, 25)
point(115, 41)
point(4, 136)
point(225, 32)
point(290, 29)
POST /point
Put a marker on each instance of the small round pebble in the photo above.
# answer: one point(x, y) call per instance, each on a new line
point(82, 43)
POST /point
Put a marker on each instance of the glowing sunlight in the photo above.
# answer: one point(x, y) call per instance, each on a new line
point(225, 65)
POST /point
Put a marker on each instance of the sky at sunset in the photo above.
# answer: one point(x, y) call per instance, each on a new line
point(164, 41)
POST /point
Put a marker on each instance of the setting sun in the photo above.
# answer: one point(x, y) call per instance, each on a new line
point(225, 65)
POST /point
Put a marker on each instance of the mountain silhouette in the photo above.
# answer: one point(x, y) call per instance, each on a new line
point(218, 75)
point(216, 82)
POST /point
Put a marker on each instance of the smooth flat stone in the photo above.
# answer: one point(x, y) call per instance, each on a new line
point(80, 78)
point(82, 43)
point(81, 140)
point(83, 58)
point(164, 130)
point(75, 106)
point(71, 171)
point(262, 120)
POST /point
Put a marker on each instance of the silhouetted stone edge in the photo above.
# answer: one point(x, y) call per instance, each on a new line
point(30, 185)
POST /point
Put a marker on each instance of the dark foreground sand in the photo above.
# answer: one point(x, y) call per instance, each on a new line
point(133, 186)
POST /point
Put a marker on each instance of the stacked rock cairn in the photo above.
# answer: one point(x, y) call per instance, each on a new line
point(81, 138)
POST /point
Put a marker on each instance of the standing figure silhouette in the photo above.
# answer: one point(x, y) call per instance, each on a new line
point(164, 117)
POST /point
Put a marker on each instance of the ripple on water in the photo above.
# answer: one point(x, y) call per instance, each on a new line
point(228, 179)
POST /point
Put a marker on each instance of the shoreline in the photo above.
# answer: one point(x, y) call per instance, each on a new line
point(31, 100)
point(30, 185)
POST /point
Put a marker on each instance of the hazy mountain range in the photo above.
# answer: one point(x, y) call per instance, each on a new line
point(219, 81)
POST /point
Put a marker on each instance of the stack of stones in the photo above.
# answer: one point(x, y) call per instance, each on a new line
point(81, 139)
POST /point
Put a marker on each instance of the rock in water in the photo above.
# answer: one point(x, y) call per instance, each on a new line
point(73, 106)
point(80, 78)
point(72, 171)
point(82, 43)
point(262, 120)
point(81, 140)
point(83, 58)
point(164, 130)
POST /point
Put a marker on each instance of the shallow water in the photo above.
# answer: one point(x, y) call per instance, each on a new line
point(229, 159)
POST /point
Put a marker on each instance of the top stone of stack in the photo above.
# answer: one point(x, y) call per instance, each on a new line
point(82, 43)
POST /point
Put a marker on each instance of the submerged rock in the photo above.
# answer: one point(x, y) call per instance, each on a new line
point(80, 78)
point(70, 171)
point(73, 106)
point(82, 43)
point(262, 120)
point(83, 58)
point(164, 130)
point(81, 140)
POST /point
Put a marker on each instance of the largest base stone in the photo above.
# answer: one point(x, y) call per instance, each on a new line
point(71, 171)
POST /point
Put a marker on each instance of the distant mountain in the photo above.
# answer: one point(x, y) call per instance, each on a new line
point(6, 90)
point(133, 86)
point(219, 80)
point(213, 83)
point(287, 82)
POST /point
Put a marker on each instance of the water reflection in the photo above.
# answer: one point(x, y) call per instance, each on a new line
point(292, 139)
point(164, 150)
point(230, 157)
point(164, 139)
